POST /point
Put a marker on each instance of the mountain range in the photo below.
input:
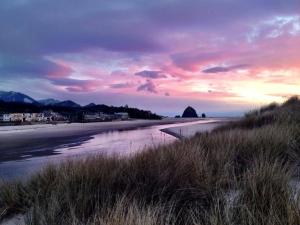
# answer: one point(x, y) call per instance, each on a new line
point(18, 102)
point(11, 96)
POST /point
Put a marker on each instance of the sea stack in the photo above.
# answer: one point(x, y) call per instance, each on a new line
point(189, 112)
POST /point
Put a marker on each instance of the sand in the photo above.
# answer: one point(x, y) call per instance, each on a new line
point(16, 138)
point(187, 131)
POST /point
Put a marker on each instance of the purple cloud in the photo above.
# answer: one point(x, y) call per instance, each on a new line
point(149, 86)
point(223, 69)
point(192, 60)
point(121, 85)
point(151, 74)
point(171, 36)
point(33, 29)
point(31, 67)
point(75, 85)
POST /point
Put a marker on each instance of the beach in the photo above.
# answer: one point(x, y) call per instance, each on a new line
point(16, 139)
point(187, 131)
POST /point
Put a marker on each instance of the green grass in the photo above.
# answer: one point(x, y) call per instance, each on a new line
point(239, 174)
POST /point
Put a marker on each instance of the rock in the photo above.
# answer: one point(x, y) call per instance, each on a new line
point(189, 112)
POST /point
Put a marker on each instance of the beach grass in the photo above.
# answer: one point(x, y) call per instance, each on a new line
point(243, 173)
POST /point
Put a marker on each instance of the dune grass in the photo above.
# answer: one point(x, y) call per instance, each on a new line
point(240, 174)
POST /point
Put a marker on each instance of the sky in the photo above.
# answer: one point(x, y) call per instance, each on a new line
point(223, 57)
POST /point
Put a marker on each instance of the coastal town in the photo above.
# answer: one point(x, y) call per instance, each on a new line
point(50, 116)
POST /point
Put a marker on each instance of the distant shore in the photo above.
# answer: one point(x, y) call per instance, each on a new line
point(45, 137)
point(187, 131)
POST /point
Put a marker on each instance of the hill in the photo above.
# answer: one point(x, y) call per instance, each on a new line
point(67, 103)
point(12, 96)
point(48, 101)
point(11, 102)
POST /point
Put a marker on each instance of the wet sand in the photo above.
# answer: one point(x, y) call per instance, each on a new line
point(19, 140)
point(187, 131)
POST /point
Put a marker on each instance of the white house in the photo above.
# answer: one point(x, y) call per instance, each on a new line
point(17, 117)
point(5, 117)
point(31, 117)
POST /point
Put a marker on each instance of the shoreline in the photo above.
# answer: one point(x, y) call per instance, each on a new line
point(187, 131)
point(170, 132)
point(44, 139)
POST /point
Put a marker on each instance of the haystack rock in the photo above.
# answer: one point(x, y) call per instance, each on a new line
point(189, 112)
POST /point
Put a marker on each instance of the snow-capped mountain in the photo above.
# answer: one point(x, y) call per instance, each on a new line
point(11, 96)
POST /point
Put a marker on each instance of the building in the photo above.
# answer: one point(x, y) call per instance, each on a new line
point(17, 117)
point(4, 117)
point(100, 116)
point(122, 115)
point(53, 116)
point(90, 117)
point(31, 117)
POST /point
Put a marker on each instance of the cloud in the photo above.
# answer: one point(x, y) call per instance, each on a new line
point(149, 86)
point(151, 74)
point(223, 69)
point(76, 85)
point(45, 27)
point(275, 27)
point(32, 67)
point(121, 85)
point(192, 61)
point(68, 48)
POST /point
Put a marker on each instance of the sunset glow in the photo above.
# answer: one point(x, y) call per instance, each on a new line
point(222, 57)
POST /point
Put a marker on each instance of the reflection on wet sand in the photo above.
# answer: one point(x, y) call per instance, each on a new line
point(22, 162)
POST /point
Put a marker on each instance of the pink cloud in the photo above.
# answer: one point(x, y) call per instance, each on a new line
point(75, 85)
point(192, 61)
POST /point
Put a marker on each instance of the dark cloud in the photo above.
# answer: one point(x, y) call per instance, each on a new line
point(75, 85)
point(149, 86)
point(45, 27)
point(31, 67)
point(223, 69)
point(121, 85)
point(215, 14)
point(167, 94)
point(151, 74)
point(193, 60)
